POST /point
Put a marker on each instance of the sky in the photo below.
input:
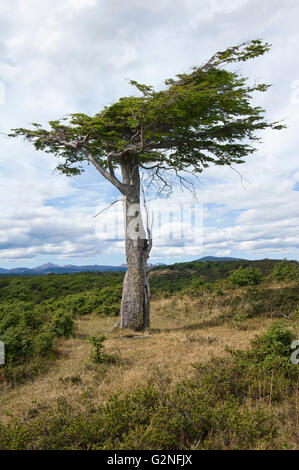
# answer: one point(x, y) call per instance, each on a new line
point(65, 56)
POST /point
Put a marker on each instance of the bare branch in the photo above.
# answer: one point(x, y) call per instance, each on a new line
point(106, 208)
point(110, 176)
point(242, 178)
point(148, 228)
point(117, 325)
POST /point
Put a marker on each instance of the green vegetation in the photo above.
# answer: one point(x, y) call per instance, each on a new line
point(37, 289)
point(239, 400)
point(177, 277)
point(43, 310)
point(97, 354)
point(223, 407)
point(62, 324)
point(285, 271)
point(245, 277)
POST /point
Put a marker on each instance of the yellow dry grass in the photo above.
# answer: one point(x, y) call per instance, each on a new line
point(181, 335)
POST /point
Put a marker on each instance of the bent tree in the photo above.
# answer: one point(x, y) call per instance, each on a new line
point(199, 118)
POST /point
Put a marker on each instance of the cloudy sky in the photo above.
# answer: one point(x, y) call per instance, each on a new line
point(64, 56)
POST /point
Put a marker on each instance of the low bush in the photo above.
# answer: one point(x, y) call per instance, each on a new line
point(264, 372)
point(285, 271)
point(245, 277)
point(62, 324)
point(102, 302)
point(18, 343)
point(29, 329)
point(97, 354)
point(44, 342)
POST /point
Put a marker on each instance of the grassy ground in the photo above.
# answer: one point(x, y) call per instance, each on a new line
point(187, 331)
point(181, 335)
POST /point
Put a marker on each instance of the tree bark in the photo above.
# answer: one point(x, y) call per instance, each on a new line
point(135, 304)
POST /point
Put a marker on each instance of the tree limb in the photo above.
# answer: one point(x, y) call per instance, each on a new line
point(120, 186)
point(109, 176)
point(106, 208)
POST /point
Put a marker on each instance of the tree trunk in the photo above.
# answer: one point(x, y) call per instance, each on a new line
point(135, 304)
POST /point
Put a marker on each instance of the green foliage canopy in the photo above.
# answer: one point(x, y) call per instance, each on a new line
point(199, 118)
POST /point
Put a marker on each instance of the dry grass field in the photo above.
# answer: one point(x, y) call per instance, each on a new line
point(181, 335)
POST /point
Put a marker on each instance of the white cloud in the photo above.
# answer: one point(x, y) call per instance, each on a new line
point(63, 56)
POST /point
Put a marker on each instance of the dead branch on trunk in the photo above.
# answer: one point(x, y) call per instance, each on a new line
point(117, 325)
point(106, 208)
point(149, 229)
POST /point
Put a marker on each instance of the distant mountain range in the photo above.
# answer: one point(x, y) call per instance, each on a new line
point(49, 268)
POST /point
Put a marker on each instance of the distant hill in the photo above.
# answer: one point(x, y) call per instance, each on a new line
point(178, 276)
point(50, 268)
point(219, 258)
point(212, 267)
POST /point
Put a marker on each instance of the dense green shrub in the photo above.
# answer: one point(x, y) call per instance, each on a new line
point(272, 301)
point(102, 302)
point(18, 342)
point(285, 271)
point(173, 278)
point(8, 319)
point(36, 289)
point(263, 372)
point(109, 301)
point(178, 276)
point(44, 342)
point(29, 330)
point(39, 312)
point(273, 349)
point(196, 286)
point(62, 324)
point(245, 277)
